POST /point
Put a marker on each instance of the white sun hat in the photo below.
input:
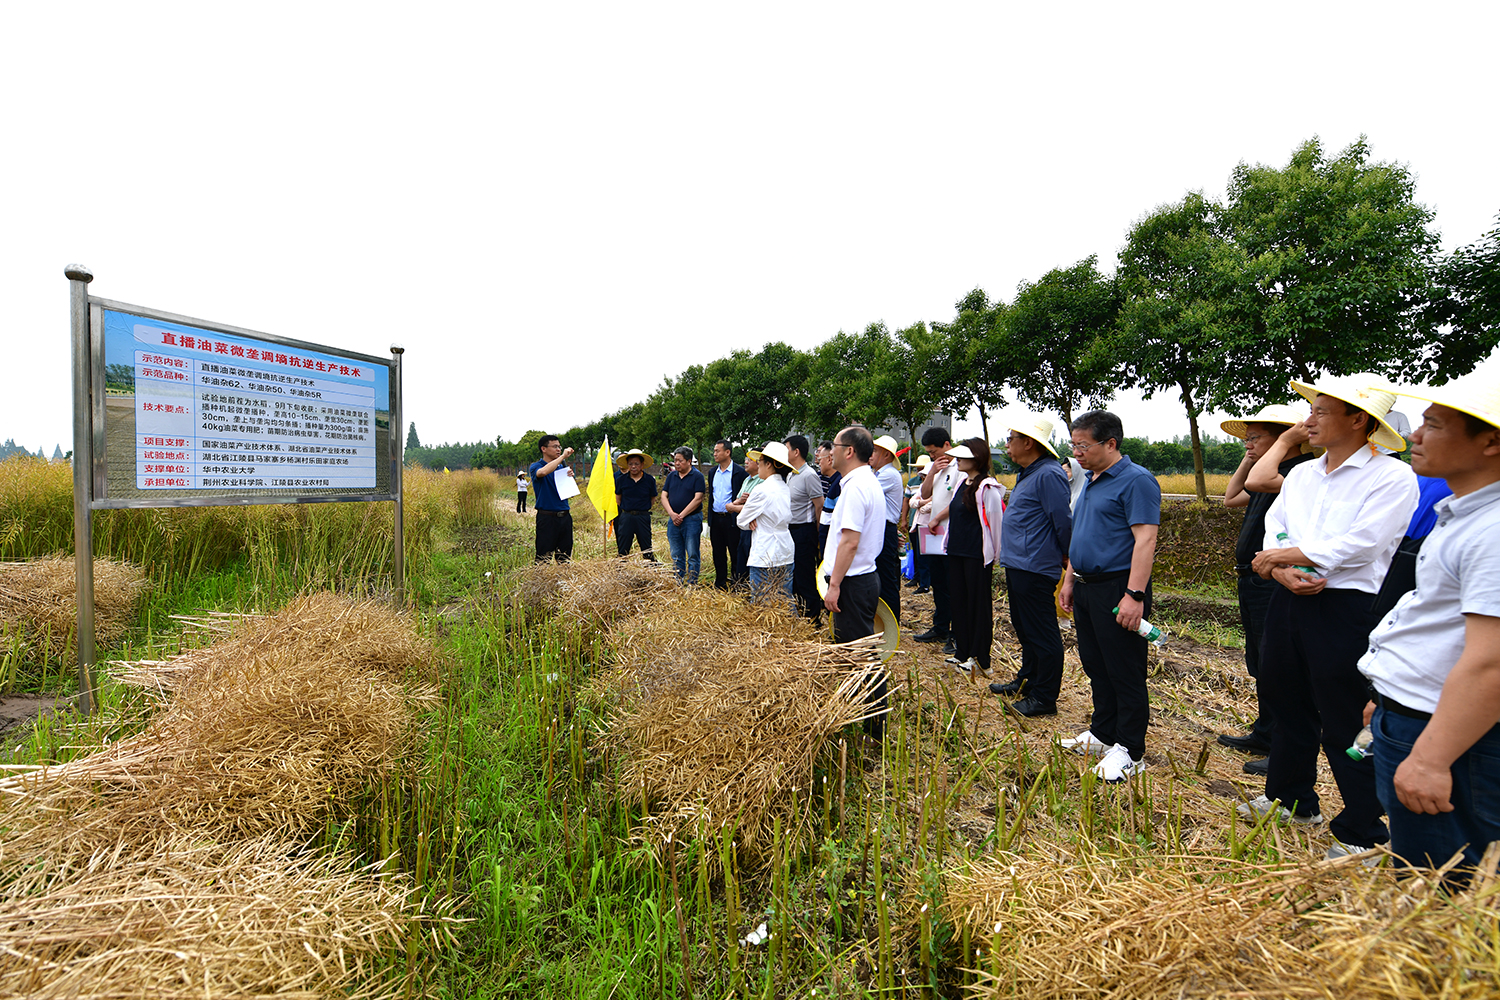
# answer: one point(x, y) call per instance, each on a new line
point(961, 451)
point(777, 452)
point(1476, 395)
point(1364, 392)
point(1036, 427)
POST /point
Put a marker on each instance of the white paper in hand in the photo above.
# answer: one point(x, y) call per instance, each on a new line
point(567, 486)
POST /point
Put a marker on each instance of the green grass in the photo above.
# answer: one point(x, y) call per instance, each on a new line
point(514, 812)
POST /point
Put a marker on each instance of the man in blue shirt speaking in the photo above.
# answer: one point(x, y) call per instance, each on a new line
point(554, 521)
point(1109, 566)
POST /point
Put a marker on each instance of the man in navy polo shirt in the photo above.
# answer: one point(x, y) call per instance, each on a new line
point(682, 499)
point(1109, 566)
point(554, 522)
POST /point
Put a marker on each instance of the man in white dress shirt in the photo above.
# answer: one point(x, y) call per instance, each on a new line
point(1330, 537)
point(1435, 659)
point(856, 533)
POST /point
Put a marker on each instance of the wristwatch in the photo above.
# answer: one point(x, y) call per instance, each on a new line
point(1139, 595)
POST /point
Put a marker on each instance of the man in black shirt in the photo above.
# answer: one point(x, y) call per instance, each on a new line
point(1274, 440)
point(634, 493)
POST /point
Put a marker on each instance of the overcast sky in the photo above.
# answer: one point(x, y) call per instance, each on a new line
point(552, 206)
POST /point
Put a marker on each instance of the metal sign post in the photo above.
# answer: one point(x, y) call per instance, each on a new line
point(83, 480)
point(398, 443)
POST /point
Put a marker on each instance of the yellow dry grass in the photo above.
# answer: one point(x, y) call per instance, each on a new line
point(1197, 926)
point(166, 864)
point(1185, 483)
point(180, 918)
point(39, 602)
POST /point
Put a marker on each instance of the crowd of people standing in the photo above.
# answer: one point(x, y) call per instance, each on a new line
point(1367, 587)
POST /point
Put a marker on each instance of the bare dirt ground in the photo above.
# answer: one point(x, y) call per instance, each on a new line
point(1197, 692)
point(19, 709)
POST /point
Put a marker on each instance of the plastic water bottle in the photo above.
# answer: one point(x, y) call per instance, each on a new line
point(1157, 637)
point(1282, 542)
point(1361, 748)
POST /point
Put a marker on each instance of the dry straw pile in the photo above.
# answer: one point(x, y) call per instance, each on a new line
point(39, 602)
point(718, 707)
point(1209, 927)
point(166, 861)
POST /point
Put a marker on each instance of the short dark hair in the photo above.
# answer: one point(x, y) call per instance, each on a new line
point(725, 443)
point(859, 439)
point(1275, 430)
point(1475, 426)
point(545, 440)
point(1101, 425)
point(798, 441)
point(826, 445)
point(684, 451)
point(936, 436)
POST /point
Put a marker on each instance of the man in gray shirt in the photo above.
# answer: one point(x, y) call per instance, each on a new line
point(807, 502)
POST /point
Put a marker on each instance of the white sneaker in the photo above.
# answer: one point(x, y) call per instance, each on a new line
point(1117, 764)
point(1343, 850)
point(1260, 805)
point(952, 659)
point(970, 665)
point(1085, 743)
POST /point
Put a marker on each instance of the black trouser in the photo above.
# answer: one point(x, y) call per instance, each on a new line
point(972, 583)
point(1115, 660)
point(888, 568)
point(804, 569)
point(554, 535)
point(942, 610)
point(822, 543)
point(1309, 659)
point(1255, 596)
point(855, 619)
point(520, 501)
point(742, 557)
point(634, 525)
point(1033, 614)
point(724, 536)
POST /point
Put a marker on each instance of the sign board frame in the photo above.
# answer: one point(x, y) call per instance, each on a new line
point(93, 463)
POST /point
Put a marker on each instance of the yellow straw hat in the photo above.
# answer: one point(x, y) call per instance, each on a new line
point(624, 460)
point(1476, 395)
point(1362, 392)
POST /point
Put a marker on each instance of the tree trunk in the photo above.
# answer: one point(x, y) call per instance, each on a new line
point(984, 423)
point(1192, 415)
point(911, 430)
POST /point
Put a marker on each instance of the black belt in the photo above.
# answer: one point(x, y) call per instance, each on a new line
point(646, 511)
point(1392, 705)
point(556, 513)
point(1244, 569)
point(1100, 577)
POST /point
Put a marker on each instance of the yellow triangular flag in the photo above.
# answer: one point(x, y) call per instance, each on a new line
point(602, 486)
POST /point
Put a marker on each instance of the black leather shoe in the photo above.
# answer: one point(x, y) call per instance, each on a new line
point(950, 647)
point(1034, 706)
point(1245, 744)
point(931, 635)
point(924, 590)
point(1257, 767)
point(1009, 687)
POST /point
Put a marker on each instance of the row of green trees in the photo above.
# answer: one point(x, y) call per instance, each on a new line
point(1325, 265)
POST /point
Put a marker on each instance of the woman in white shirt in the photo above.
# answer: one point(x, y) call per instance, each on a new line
point(768, 513)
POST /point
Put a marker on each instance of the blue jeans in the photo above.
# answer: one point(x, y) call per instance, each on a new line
point(684, 540)
point(1475, 820)
point(767, 581)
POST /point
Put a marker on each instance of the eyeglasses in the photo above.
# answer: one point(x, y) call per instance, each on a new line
point(1254, 438)
point(1084, 449)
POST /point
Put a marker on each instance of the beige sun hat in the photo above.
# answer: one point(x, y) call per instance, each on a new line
point(777, 452)
point(1276, 413)
point(1364, 392)
point(889, 444)
point(923, 461)
point(1036, 427)
point(624, 460)
point(1476, 395)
